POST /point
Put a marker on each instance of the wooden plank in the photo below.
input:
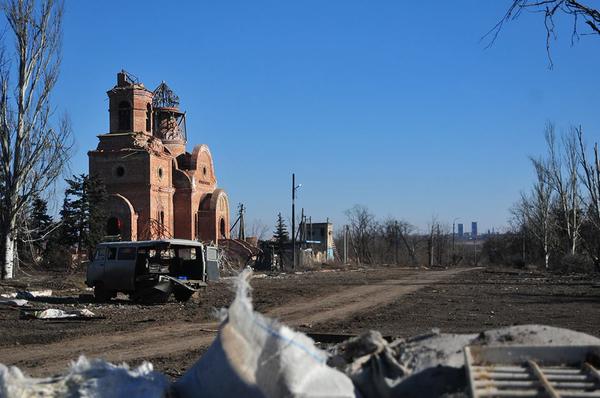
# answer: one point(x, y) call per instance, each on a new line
point(545, 383)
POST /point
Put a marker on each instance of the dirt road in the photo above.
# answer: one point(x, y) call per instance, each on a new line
point(181, 341)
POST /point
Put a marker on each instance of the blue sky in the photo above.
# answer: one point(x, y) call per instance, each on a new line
point(394, 105)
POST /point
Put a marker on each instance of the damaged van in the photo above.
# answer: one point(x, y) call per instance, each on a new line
point(152, 270)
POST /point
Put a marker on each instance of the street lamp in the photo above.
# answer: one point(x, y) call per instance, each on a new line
point(294, 188)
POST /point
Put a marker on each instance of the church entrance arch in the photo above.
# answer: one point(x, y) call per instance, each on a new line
point(113, 226)
point(222, 228)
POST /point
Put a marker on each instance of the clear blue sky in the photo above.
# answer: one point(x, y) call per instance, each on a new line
point(394, 105)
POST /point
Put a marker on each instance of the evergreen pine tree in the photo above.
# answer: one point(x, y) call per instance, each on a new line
point(40, 224)
point(280, 235)
point(34, 233)
point(83, 214)
point(73, 213)
point(97, 197)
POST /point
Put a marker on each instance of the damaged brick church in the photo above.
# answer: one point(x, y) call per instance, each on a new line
point(157, 189)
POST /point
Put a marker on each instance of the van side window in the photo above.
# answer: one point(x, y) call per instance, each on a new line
point(100, 253)
point(112, 253)
point(187, 253)
point(126, 253)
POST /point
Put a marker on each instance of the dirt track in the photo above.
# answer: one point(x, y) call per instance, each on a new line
point(181, 337)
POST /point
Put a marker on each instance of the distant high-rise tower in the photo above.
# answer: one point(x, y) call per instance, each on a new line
point(461, 231)
point(474, 230)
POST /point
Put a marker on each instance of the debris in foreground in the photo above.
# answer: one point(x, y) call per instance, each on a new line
point(53, 313)
point(254, 356)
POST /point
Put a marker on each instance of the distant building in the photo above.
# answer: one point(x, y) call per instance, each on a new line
point(461, 231)
point(318, 237)
point(474, 230)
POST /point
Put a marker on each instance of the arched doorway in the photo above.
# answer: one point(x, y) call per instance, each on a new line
point(222, 228)
point(113, 226)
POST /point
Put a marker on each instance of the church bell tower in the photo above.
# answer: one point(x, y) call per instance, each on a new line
point(130, 106)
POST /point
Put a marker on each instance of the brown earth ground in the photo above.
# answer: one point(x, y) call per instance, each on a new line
point(398, 302)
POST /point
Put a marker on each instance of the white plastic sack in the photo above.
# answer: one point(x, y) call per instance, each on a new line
point(14, 302)
point(34, 293)
point(53, 313)
point(96, 378)
point(254, 356)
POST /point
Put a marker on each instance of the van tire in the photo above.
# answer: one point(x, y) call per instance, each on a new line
point(102, 295)
point(182, 294)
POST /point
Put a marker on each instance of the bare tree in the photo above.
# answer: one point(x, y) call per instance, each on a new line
point(550, 9)
point(258, 229)
point(361, 223)
point(534, 209)
point(32, 150)
point(406, 231)
point(590, 176)
point(563, 178)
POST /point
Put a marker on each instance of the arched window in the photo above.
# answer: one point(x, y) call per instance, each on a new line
point(148, 117)
point(124, 116)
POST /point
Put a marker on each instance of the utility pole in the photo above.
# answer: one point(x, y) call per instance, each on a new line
point(293, 220)
point(345, 244)
point(294, 188)
point(242, 229)
point(453, 239)
point(396, 240)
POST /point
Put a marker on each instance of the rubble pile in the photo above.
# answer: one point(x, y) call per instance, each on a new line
point(254, 356)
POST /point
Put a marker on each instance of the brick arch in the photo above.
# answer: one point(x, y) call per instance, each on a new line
point(201, 159)
point(219, 204)
point(213, 213)
point(120, 207)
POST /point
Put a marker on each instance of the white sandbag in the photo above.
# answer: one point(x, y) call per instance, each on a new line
point(14, 302)
point(254, 356)
point(96, 378)
point(53, 313)
point(33, 294)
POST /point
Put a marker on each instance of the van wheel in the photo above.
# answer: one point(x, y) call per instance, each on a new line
point(182, 294)
point(101, 294)
point(150, 297)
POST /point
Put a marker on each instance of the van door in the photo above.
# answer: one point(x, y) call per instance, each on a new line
point(212, 263)
point(120, 268)
point(110, 265)
point(126, 260)
point(95, 270)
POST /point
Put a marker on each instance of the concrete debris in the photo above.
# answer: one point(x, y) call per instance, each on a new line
point(432, 365)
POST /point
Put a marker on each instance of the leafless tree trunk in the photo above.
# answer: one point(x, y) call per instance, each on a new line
point(258, 229)
point(405, 229)
point(361, 223)
point(590, 175)
point(565, 186)
point(32, 151)
point(535, 209)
